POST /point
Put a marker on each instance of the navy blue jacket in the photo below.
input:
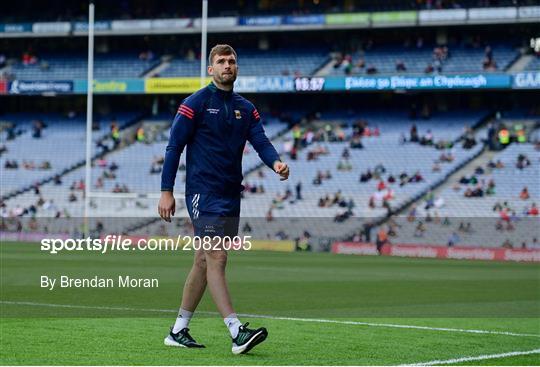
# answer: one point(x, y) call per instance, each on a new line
point(215, 125)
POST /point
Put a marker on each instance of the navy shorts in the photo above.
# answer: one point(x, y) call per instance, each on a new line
point(214, 215)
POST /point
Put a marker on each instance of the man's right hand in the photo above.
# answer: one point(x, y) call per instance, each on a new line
point(166, 205)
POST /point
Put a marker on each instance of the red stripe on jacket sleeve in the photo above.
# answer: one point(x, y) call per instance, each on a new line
point(186, 111)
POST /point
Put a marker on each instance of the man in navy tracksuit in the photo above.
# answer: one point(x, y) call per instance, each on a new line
point(215, 124)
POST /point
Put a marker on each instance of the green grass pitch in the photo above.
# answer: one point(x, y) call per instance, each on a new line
point(308, 302)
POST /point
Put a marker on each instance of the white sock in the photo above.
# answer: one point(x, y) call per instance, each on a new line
point(233, 324)
point(182, 321)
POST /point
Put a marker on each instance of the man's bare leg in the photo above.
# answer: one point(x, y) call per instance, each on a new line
point(216, 261)
point(195, 284)
point(194, 288)
point(243, 339)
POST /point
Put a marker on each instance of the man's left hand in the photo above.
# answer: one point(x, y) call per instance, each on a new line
point(281, 169)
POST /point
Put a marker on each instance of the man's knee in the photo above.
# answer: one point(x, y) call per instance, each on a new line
point(216, 257)
point(200, 260)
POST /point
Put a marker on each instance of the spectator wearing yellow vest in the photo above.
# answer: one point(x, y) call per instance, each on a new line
point(504, 136)
point(140, 135)
point(115, 133)
point(519, 131)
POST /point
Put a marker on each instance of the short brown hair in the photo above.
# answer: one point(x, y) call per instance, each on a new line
point(220, 50)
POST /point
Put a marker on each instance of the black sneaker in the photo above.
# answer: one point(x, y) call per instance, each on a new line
point(248, 338)
point(181, 339)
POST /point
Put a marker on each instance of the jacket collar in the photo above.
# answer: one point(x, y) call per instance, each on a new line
point(220, 92)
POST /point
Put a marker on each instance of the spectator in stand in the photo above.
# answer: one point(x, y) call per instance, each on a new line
point(490, 187)
point(454, 239)
point(489, 63)
point(427, 139)
point(503, 214)
point(298, 188)
point(155, 169)
point(72, 197)
point(524, 195)
point(99, 183)
point(468, 140)
point(414, 134)
point(446, 157)
point(356, 142)
point(80, 185)
point(269, 215)
point(139, 135)
point(382, 239)
point(115, 134)
point(479, 171)
point(147, 55)
point(420, 229)
point(430, 200)
point(533, 210)
point(417, 177)
point(37, 128)
point(379, 169)
point(522, 161)
point(400, 66)
point(28, 58)
point(344, 165)
point(365, 177)
point(507, 244)
point(11, 164)
point(327, 175)
point(371, 70)
point(318, 179)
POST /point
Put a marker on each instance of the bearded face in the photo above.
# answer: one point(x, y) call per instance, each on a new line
point(224, 69)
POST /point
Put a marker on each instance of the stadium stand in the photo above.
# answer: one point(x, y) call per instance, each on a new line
point(115, 172)
point(534, 65)
point(416, 60)
point(276, 212)
point(501, 196)
point(304, 62)
point(385, 150)
point(62, 67)
point(58, 147)
point(254, 62)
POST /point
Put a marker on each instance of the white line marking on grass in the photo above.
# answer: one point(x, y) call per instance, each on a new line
point(113, 308)
point(342, 322)
point(478, 358)
point(399, 326)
